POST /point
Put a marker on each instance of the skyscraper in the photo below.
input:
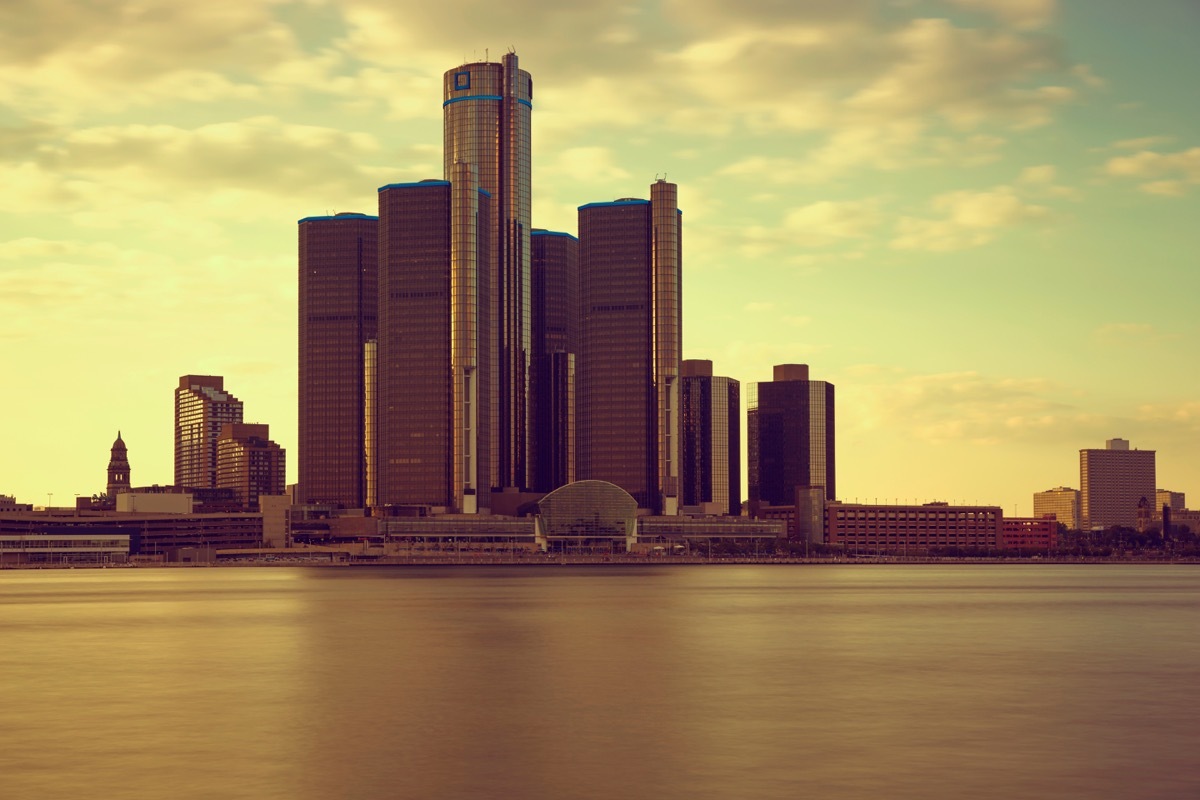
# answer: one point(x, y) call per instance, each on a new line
point(555, 326)
point(338, 297)
point(118, 470)
point(790, 436)
point(710, 409)
point(1112, 482)
point(487, 109)
point(431, 426)
point(1062, 502)
point(628, 401)
point(202, 406)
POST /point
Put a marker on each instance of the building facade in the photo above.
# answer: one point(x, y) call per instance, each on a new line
point(1112, 484)
point(487, 109)
point(338, 291)
point(710, 424)
point(556, 343)
point(790, 437)
point(202, 407)
point(913, 529)
point(432, 412)
point(1062, 502)
point(627, 405)
point(249, 463)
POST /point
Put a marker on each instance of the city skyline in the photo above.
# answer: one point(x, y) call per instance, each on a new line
point(973, 217)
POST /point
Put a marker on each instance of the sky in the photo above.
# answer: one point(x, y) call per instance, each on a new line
point(979, 219)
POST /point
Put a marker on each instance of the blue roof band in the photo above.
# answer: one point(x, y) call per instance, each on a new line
point(554, 233)
point(336, 216)
point(616, 203)
point(411, 185)
point(483, 97)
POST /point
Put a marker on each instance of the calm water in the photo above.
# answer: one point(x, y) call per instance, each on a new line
point(695, 682)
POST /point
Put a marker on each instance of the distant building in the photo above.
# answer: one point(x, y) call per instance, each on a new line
point(1176, 501)
point(1062, 502)
point(202, 408)
point(338, 297)
point(118, 469)
point(1029, 533)
point(249, 463)
point(9, 503)
point(1113, 482)
point(710, 408)
point(790, 437)
point(630, 281)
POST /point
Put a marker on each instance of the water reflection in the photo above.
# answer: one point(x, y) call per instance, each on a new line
point(549, 682)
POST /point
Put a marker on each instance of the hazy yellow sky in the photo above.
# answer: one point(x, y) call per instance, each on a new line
point(978, 218)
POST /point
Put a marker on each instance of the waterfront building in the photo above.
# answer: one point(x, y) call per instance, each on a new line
point(202, 407)
point(628, 400)
point(1113, 482)
point(487, 109)
point(556, 344)
point(118, 469)
point(913, 529)
point(710, 425)
point(338, 297)
point(433, 358)
point(1029, 533)
point(249, 463)
point(150, 534)
point(790, 437)
point(1062, 502)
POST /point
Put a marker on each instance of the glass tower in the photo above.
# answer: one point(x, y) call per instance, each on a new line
point(711, 428)
point(338, 298)
point(628, 399)
point(487, 108)
point(790, 436)
point(555, 323)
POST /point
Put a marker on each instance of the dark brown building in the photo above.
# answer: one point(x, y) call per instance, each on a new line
point(628, 400)
point(712, 440)
point(337, 303)
point(435, 357)
point(556, 341)
point(790, 441)
point(249, 463)
point(118, 470)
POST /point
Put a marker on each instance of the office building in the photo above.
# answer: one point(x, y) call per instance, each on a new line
point(628, 399)
point(338, 291)
point(1062, 502)
point(790, 437)
point(249, 463)
point(710, 409)
point(118, 470)
point(433, 414)
point(1113, 482)
point(202, 407)
point(486, 123)
point(1176, 501)
point(556, 342)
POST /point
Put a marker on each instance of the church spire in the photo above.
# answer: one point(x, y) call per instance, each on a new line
point(118, 470)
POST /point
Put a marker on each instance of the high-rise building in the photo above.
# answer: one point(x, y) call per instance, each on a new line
point(710, 408)
point(556, 341)
point(432, 422)
point(628, 400)
point(118, 470)
point(1062, 502)
point(1176, 501)
point(1112, 484)
point(790, 436)
point(202, 406)
point(337, 302)
point(249, 463)
point(486, 125)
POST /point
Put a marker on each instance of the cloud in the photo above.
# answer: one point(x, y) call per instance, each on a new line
point(1178, 170)
point(966, 219)
point(590, 164)
point(1022, 14)
point(1041, 174)
point(1129, 334)
point(1142, 142)
point(828, 221)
